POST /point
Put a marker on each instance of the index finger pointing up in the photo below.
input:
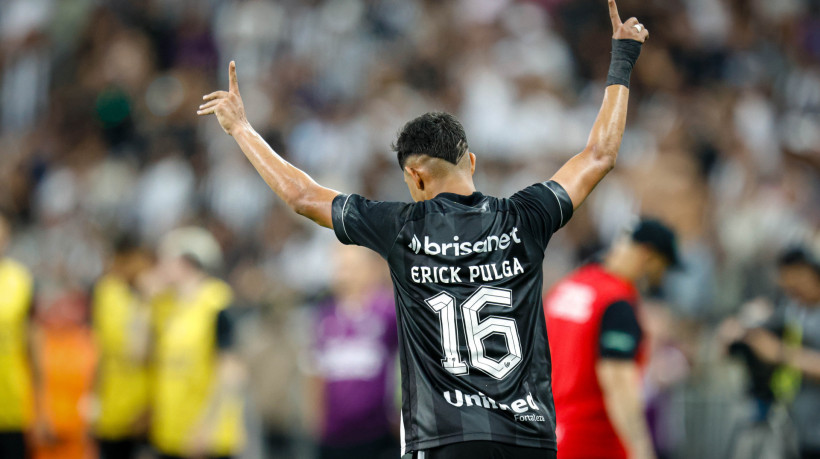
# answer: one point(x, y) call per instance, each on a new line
point(233, 84)
point(614, 16)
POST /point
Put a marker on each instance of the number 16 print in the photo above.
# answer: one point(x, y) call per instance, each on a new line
point(476, 331)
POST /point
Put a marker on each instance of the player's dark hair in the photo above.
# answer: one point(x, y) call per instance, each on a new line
point(434, 134)
point(798, 256)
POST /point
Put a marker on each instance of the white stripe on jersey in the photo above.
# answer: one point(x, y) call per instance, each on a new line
point(345, 205)
point(560, 209)
point(401, 433)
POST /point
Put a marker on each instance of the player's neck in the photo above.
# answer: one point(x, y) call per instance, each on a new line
point(456, 185)
point(623, 267)
point(189, 287)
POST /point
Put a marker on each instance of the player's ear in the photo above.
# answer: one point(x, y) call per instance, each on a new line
point(647, 254)
point(657, 265)
point(472, 163)
point(413, 178)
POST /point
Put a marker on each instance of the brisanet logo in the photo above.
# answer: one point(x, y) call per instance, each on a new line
point(415, 245)
point(457, 249)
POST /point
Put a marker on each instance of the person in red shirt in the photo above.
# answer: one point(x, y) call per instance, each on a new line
point(597, 347)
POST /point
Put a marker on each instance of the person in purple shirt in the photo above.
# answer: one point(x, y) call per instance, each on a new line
point(354, 354)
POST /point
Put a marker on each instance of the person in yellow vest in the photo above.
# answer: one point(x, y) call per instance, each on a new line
point(197, 402)
point(16, 385)
point(121, 320)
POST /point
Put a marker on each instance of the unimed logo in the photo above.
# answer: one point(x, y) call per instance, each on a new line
point(457, 249)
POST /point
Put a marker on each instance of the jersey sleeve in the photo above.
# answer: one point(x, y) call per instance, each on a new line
point(620, 333)
point(544, 208)
point(371, 224)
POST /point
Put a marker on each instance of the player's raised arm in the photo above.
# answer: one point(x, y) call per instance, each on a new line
point(581, 173)
point(295, 187)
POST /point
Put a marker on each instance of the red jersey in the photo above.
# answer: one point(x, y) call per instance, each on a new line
point(574, 309)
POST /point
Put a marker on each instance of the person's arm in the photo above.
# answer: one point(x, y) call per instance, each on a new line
point(231, 377)
point(314, 404)
point(805, 360)
point(228, 389)
point(620, 382)
point(619, 377)
point(772, 350)
point(296, 188)
point(43, 430)
point(581, 173)
point(765, 345)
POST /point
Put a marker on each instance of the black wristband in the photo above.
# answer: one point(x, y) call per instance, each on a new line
point(625, 53)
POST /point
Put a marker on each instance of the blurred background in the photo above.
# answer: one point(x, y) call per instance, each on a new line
point(102, 155)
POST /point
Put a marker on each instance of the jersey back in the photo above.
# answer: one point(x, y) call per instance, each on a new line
point(467, 276)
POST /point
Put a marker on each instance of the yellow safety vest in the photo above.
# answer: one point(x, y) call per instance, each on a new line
point(16, 398)
point(185, 375)
point(121, 329)
point(786, 380)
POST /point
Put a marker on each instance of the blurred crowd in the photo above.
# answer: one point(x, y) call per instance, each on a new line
point(103, 156)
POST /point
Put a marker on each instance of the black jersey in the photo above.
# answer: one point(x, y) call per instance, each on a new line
point(467, 274)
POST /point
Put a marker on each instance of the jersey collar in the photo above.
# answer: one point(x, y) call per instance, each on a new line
point(470, 200)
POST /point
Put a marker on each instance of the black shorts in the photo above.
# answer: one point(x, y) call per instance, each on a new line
point(125, 448)
point(170, 456)
point(12, 445)
point(484, 450)
point(386, 446)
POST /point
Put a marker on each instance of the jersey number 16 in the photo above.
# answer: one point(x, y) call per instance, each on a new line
point(477, 331)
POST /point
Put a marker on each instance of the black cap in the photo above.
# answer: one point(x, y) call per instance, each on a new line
point(659, 237)
point(799, 255)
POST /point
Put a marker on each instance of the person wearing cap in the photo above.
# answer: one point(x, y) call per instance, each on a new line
point(597, 347)
point(197, 401)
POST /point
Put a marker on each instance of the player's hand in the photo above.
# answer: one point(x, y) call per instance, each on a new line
point(629, 30)
point(226, 105)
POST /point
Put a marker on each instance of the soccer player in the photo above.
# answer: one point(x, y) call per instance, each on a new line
point(16, 397)
point(466, 268)
point(121, 320)
point(597, 347)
